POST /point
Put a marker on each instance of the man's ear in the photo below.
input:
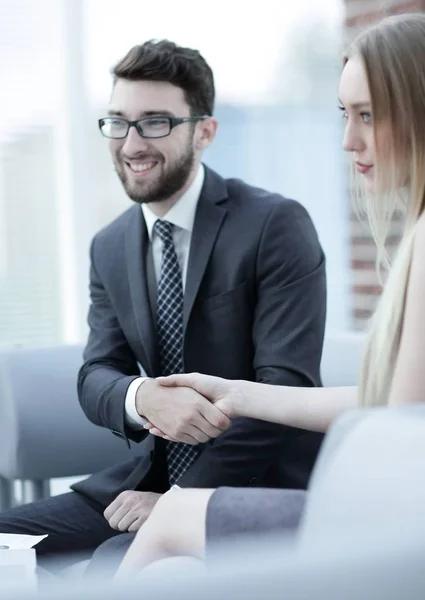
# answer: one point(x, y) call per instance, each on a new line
point(206, 133)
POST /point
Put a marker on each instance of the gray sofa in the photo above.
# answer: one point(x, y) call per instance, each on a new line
point(362, 536)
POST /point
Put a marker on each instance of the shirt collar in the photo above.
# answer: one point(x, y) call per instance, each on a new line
point(182, 213)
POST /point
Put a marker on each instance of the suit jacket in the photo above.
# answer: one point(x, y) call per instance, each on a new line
point(254, 309)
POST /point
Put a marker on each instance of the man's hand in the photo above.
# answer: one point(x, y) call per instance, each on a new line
point(181, 413)
point(226, 395)
point(130, 510)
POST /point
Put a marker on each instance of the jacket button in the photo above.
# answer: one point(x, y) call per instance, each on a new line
point(253, 481)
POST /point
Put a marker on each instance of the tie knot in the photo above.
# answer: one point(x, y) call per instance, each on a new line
point(165, 231)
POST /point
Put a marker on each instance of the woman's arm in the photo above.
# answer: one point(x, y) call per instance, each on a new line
point(313, 409)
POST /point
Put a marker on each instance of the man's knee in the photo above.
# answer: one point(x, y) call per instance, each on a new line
point(18, 520)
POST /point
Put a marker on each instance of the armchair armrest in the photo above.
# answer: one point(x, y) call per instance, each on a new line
point(43, 431)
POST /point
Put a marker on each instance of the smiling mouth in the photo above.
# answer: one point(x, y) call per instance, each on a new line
point(141, 168)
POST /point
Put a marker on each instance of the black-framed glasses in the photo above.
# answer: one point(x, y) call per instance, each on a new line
point(149, 127)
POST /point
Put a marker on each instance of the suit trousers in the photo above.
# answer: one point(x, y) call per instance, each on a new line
point(75, 528)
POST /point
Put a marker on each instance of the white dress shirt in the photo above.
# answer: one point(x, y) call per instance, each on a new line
point(182, 216)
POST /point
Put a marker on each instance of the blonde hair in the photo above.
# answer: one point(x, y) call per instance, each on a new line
point(393, 55)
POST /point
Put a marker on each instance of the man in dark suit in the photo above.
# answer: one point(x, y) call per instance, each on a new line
point(201, 274)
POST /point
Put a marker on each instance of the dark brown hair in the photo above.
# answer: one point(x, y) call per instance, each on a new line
point(166, 61)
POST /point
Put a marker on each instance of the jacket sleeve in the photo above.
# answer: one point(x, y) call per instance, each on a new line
point(109, 364)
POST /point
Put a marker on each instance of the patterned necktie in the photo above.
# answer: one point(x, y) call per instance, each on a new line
point(170, 338)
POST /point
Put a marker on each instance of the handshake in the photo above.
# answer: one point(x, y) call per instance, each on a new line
point(189, 408)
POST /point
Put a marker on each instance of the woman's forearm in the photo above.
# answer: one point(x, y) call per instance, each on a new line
point(313, 409)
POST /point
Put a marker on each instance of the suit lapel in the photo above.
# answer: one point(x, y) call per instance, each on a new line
point(137, 243)
point(208, 220)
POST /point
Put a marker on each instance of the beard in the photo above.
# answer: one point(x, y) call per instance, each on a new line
point(170, 181)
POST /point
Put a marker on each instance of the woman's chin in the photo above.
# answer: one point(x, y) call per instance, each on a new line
point(369, 183)
point(370, 187)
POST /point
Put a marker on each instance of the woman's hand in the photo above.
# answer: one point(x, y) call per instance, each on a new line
point(225, 394)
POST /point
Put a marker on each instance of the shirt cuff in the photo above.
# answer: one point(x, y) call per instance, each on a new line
point(132, 417)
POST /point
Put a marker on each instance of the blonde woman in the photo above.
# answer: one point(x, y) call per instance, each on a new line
point(382, 97)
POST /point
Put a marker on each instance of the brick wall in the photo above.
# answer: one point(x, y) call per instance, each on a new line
point(365, 291)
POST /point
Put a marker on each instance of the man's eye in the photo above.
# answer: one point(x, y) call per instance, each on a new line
point(116, 124)
point(157, 122)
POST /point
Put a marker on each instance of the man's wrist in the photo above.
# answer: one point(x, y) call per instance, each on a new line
point(143, 395)
point(132, 418)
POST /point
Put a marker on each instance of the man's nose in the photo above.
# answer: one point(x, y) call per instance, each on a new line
point(134, 143)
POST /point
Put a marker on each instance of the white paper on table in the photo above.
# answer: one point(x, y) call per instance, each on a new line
point(19, 542)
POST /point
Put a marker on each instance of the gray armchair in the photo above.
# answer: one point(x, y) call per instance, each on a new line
point(43, 431)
